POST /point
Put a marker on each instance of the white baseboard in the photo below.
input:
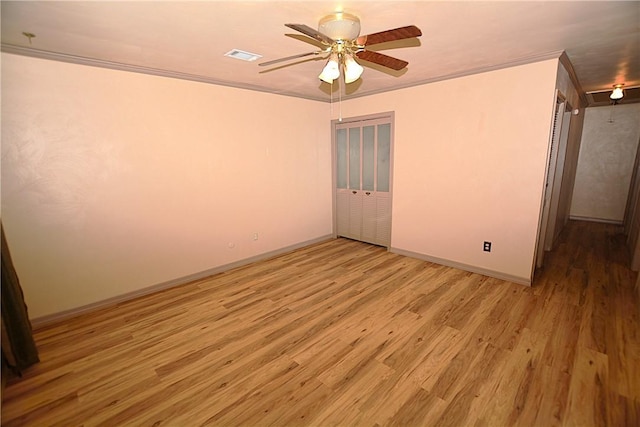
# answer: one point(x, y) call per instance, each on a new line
point(585, 218)
point(43, 321)
point(465, 267)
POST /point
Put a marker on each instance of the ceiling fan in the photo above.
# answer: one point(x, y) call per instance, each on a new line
point(339, 33)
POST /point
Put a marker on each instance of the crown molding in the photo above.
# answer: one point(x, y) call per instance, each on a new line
point(470, 72)
point(92, 62)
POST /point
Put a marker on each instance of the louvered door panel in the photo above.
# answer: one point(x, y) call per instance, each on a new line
point(355, 215)
point(342, 209)
point(369, 217)
point(383, 219)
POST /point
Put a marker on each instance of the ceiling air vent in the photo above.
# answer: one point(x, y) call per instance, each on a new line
point(241, 54)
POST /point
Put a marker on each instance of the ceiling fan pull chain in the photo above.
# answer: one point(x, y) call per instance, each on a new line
point(331, 99)
point(340, 103)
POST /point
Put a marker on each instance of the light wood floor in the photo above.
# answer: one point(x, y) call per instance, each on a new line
point(343, 333)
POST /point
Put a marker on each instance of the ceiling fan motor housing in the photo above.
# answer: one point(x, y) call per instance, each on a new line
point(340, 26)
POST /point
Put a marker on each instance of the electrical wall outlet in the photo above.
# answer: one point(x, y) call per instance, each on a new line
point(487, 247)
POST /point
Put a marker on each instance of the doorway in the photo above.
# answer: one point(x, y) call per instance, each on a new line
point(553, 217)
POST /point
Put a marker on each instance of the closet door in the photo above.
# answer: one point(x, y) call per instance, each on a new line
point(368, 184)
point(383, 184)
point(363, 167)
point(355, 187)
point(342, 188)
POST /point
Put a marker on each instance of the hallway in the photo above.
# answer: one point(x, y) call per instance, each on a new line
point(588, 274)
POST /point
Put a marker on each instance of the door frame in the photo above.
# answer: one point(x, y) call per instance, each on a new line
point(553, 230)
point(559, 109)
point(357, 119)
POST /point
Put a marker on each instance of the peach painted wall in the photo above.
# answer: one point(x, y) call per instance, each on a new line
point(113, 181)
point(469, 166)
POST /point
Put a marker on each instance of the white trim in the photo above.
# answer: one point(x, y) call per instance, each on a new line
point(368, 117)
point(559, 101)
point(460, 266)
point(47, 320)
point(606, 221)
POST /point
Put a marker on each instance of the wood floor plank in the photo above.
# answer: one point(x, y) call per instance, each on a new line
point(415, 409)
point(587, 402)
point(387, 398)
point(515, 393)
point(345, 333)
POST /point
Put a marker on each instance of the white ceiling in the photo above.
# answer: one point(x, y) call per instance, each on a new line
point(189, 39)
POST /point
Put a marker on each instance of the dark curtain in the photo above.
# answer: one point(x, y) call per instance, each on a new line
point(18, 347)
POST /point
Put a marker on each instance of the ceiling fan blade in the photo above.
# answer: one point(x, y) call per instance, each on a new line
point(407, 32)
point(382, 59)
point(305, 29)
point(288, 58)
point(307, 39)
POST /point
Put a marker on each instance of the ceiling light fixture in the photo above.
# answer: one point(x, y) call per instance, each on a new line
point(340, 26)
point(617, 94)
point(352, 70)
point(331, 71)
point(342, 29)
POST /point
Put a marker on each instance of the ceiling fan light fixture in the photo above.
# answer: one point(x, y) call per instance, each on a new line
point(340, 26)
point(331, 71)
point(617, 94)
point(338, 33)
point(352, 70)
